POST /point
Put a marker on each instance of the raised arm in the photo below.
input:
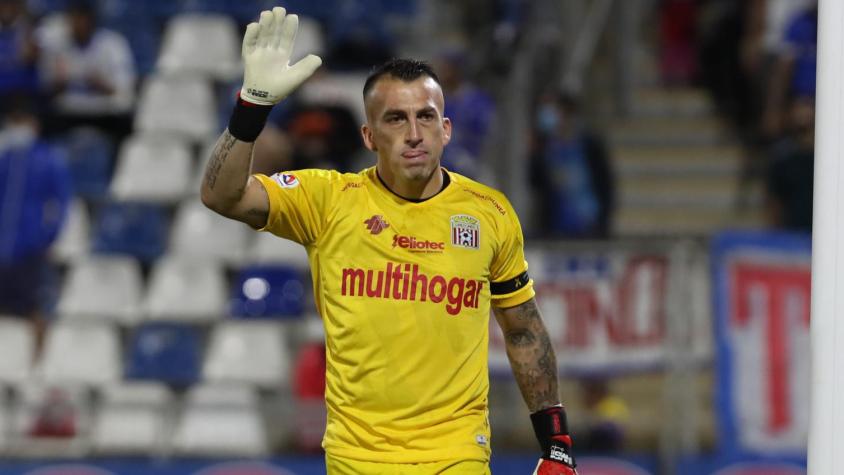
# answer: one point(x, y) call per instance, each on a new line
point(535, 369)
point(228, 187)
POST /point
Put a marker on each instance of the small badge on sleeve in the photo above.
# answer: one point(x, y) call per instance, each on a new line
point(465, 231)
point(286, 180)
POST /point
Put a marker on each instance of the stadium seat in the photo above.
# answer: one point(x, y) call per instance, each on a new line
point(90, 156)
point(336, 89)
point(137, 229)
point(5, 423)
point(103, 288)
point(81, 354)
point(131, 419)
point(50, 420)
point(247, 352)
point(269, 249)
point(202, 44)
point(166, 352)
point(184, 289)
point(154, 169)
point(220, 420)
point(199, 233)
point(269, 291)
point(182, 105)
point(73, 242)
point(17, 345)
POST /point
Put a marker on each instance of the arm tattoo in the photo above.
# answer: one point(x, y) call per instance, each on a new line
point(218, 158)
point(531, 356)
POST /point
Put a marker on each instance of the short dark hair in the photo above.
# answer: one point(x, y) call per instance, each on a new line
point(399, 68)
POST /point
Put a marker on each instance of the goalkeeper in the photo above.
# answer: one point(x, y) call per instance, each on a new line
point(406, 259)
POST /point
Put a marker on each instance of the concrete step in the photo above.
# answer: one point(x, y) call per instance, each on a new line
point(722, 160)
point(678, 132)
point(650, 221)
point(681, 102)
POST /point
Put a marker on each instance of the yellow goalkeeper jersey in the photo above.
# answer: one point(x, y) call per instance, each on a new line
point(404, 289)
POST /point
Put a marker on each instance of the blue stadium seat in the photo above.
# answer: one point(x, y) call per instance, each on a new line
point(90, 157)
point(136, 229)
point(165, 352)
point(264, 291)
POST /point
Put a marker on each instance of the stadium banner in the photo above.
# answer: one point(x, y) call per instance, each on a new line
point(314, 465)
point(741, 465)
point(608, 305)
point(762, 284)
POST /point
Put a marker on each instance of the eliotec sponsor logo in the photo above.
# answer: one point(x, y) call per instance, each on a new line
point(416, 245)
point(404, 282)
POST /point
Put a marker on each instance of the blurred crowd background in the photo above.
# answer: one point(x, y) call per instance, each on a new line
point(137, 322)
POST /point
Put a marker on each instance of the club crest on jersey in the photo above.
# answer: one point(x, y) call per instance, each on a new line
point(286, 180)
point(465, 231)
point(376, 224)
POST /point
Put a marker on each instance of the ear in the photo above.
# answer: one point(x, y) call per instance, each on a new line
point(366, 134)
point(446, 130)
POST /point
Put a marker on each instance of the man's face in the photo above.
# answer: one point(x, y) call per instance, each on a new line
point(406, 128)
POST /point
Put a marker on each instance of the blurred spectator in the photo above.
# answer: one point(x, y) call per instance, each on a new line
point(309, 388)
point(35, 191)
point(794, 72)
point(18, 52)
point(791, 171)
point(722, 27)
point(570, 172)
point(471, 111)
point(677, 26)
point(90, 72)
point(322, 136)
point(607, 415)
point(56, 417)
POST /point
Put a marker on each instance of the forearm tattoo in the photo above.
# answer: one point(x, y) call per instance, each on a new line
point(531, 356)
point(218, 158)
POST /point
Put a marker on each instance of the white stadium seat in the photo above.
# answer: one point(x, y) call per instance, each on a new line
point(132, 419)
point(42, 411)
point(81, 354)
point(104, 288)
point(205, 44)
point(336, 89)
point(199, 233)
point(179, 104)
point(74, 239)
point(17, 345)
point(271, 249)
point(250, 352)
point(221, 420)
point(153, 169)
point(309, 40)
point(184, 289)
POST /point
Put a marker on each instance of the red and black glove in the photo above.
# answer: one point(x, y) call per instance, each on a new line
point(553, 434)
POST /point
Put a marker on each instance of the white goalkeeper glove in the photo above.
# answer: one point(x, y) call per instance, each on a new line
point(268, 77)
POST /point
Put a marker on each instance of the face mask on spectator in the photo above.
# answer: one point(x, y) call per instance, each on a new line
point(547, 119)
point(17, 136)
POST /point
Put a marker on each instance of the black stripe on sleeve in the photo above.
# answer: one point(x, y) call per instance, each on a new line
point(509, 286)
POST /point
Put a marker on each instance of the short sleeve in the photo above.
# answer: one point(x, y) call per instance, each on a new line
point(299, 203)
point(510, 284)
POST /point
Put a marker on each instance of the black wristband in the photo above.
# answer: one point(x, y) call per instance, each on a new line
point(247, 120)
point(552, 431)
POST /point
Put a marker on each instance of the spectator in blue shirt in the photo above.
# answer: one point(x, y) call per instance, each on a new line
point(471, 111)
point(795, 71)
point(34, 196)
point(571, 172)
